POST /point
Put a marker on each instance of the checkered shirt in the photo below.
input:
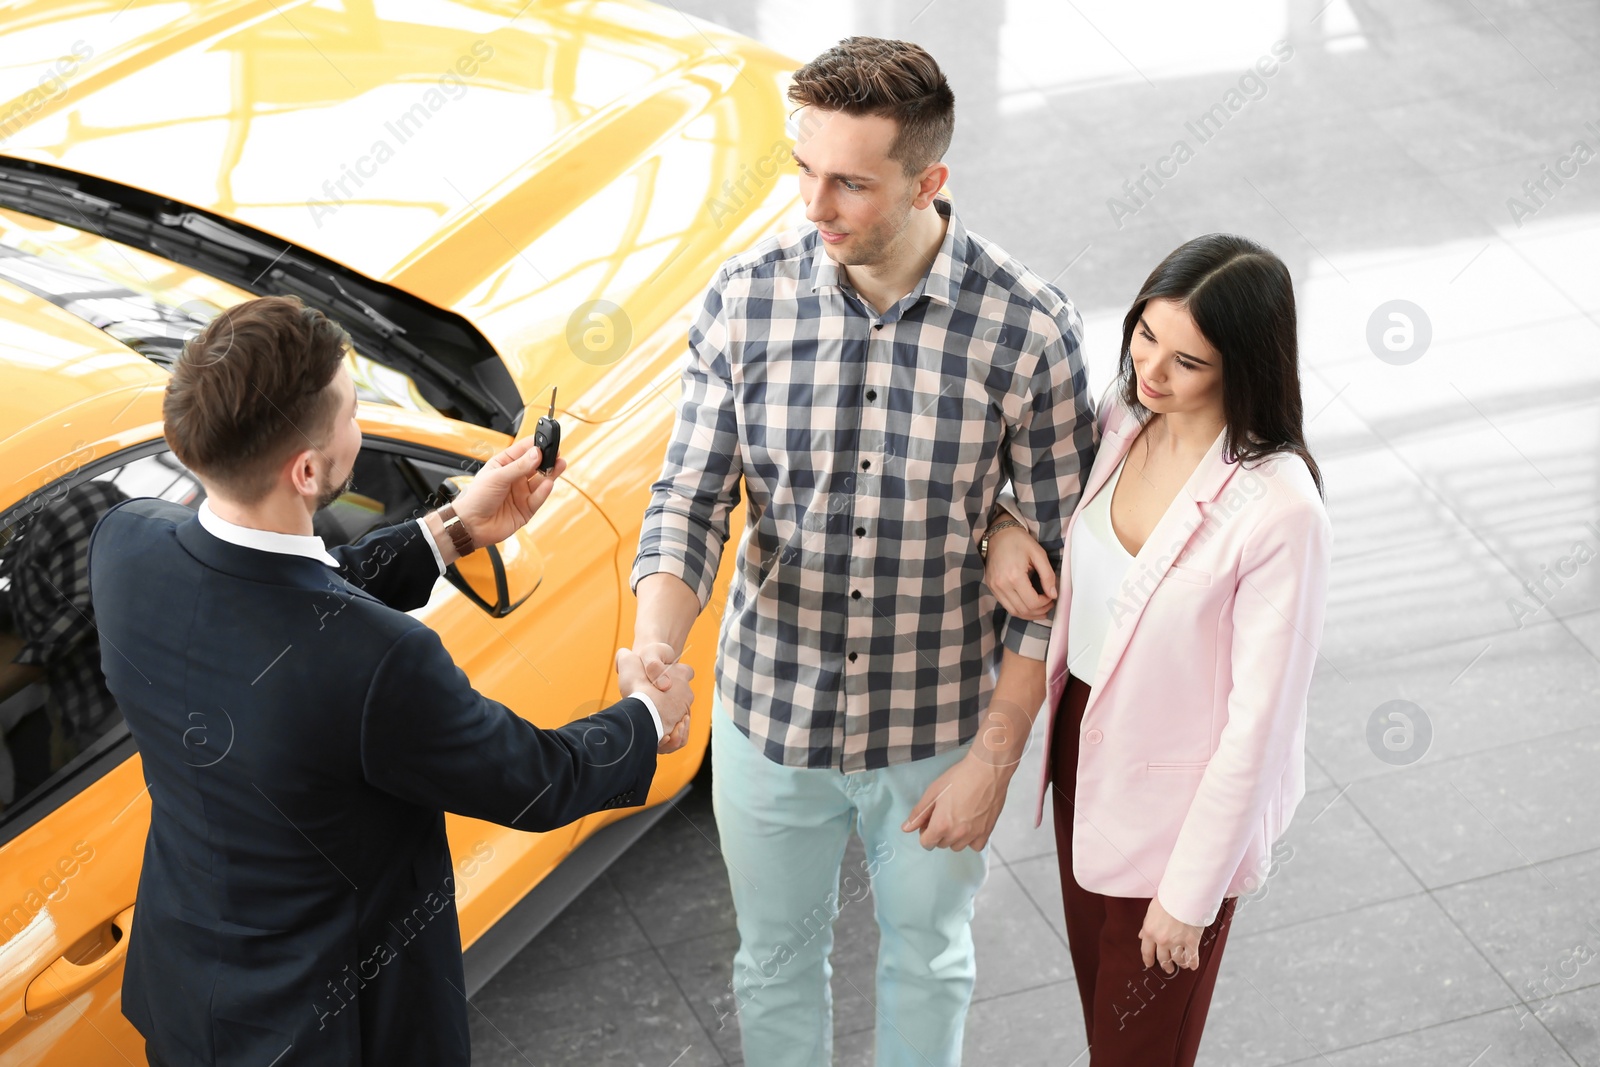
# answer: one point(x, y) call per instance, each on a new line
point(858, 630)
point(50, 604)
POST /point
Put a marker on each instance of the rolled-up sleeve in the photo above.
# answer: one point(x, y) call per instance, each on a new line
point(1049, 451)
point(686, 523)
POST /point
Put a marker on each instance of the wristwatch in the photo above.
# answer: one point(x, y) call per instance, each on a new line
point(983, 545)
point(456, 529)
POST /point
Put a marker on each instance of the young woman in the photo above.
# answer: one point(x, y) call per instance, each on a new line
point(1191, 599)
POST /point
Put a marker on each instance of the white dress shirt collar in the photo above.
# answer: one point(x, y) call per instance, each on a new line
point(308, 545)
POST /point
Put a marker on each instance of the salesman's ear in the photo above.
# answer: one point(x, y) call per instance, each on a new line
point(301, 471)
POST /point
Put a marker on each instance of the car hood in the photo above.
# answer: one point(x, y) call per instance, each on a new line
point(565, 176)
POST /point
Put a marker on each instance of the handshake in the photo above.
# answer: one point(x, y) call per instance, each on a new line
point(652, 669)
point(502, 499)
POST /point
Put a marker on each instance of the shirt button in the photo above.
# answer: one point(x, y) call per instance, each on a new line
point(877, 326)
point(861, 531)
point(855, 594)
point(1093, 737)
point(872, 394)
point(866, 464)
point(852, 657)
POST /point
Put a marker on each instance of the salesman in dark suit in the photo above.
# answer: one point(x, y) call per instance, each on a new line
point(302, 737)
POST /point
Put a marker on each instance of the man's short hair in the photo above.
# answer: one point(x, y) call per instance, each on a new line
point(894, 79)
point(250, 390)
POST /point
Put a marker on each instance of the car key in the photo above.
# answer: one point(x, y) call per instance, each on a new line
point(547, 436)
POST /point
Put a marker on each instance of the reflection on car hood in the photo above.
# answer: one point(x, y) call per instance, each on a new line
point(504, 159)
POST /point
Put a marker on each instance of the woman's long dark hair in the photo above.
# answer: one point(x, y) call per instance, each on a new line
point(1242, 299)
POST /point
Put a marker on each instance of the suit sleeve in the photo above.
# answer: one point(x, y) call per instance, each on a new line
point(1278, 613)
point(428, 737)
point(393, 563)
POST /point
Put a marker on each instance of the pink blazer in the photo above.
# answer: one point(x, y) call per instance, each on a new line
point(1192, 759)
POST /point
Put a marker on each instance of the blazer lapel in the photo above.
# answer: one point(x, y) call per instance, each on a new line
point(1166, 542)
point(1114, 444)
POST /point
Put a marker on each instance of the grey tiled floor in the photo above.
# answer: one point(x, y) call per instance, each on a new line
point(1443, 912)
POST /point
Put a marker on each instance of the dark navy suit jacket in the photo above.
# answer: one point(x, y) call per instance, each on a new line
point(302, 738)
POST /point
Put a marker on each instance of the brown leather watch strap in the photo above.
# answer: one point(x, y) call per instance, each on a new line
point(456, 529)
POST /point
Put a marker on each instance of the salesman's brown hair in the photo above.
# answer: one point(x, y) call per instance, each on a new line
point(894, 79)
point(252, 389)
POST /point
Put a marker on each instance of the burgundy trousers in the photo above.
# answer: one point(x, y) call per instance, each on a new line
point(1135, 1016)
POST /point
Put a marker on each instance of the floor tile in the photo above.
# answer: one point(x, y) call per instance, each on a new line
point(1493, 1039)
point(615, 1012)
point(1329, 861)
point(1537, 925)
point(1574, 1020)
point(673, 879)
point(1037, 1026)
point(1469, 696)
point(1488, 812)
point(1018, 948)
point(595, 926)
point(1358, 976)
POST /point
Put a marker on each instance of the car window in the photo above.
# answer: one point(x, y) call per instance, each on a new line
point(390, 485)
point(393, 484)
point(56, 715)
point(57, 719)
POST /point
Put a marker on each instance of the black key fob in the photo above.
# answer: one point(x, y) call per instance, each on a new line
point(547, 436)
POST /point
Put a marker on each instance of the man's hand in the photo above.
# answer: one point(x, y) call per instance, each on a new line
point(502, 498)
point(667, 608)
point(673, 698)
point(656, 656)
point(962, 805)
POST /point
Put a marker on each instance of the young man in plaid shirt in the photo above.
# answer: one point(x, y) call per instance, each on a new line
point(873, 379)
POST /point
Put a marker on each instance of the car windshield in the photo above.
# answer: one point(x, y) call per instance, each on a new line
point(149, 304)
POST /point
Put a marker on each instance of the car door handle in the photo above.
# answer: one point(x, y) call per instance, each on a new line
point(66, 978)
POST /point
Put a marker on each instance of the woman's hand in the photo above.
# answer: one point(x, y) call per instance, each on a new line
point(1165, 940)
point(1015, 558)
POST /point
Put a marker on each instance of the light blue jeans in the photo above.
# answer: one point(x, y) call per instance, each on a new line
point(784, 831)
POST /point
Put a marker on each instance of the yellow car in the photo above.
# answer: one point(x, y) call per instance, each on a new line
point(499, 200)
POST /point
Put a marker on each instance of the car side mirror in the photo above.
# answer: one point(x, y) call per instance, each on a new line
point(497, 578)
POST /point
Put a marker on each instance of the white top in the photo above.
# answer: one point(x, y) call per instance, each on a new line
point(1099, 563)
point(311, 546)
